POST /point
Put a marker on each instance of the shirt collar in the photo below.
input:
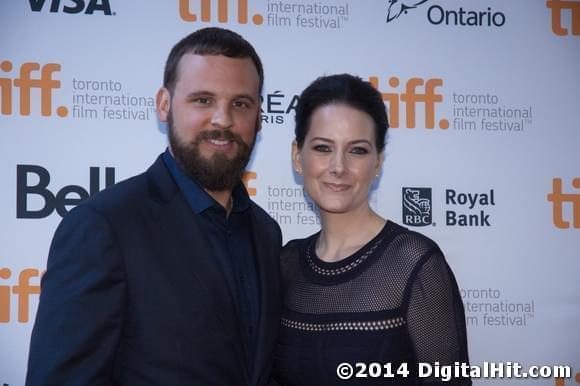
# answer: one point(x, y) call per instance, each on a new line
point(197, 198)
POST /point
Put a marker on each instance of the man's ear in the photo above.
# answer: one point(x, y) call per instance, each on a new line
point(163, 103)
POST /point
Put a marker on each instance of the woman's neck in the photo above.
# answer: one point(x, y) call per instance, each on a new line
point(343, 234)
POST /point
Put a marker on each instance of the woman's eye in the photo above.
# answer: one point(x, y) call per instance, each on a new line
point(359, 150)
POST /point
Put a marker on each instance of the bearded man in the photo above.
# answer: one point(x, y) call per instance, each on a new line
point(171, 277)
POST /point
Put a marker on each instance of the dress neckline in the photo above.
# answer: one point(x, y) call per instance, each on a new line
point(325, 272)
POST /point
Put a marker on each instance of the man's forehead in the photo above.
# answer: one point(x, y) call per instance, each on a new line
point(238, 75)
point(216, 63)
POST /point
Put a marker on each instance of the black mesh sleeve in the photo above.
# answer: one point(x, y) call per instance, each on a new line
point(436, 319)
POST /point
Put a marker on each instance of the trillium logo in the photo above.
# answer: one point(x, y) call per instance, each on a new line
point(398, 7)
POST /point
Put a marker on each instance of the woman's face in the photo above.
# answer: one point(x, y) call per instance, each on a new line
point(339, 158)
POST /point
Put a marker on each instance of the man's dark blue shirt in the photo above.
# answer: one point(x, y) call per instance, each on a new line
point(231, 240)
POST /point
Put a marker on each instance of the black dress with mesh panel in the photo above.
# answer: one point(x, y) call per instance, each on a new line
point(394, 301)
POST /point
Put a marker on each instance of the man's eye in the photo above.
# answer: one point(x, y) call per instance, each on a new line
point(322, 148)
point(202, 101)
point(242, 104)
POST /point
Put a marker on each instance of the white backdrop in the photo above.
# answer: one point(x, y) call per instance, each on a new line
point(483, 97)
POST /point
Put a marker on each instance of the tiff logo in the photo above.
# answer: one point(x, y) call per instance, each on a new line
point(246, 178)
point(562, 381)
point(558, 199)
point(22, 291)
point(410, 98)
point(557, 6)
point(25, 83)
point(223, 11)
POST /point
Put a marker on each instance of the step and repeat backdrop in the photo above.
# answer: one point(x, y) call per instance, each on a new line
point(483, 155)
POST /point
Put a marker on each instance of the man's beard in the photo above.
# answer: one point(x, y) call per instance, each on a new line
point(217, 173)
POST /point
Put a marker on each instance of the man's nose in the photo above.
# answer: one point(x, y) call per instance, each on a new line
point(222, 117)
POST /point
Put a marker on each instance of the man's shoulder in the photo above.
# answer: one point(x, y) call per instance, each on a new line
point(122, 194)
point(132, 194)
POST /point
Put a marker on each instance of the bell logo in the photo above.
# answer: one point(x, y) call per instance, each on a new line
point(25, 82)
point(558, 199)
point(557, 6)
point(246, 178)
point(22, 291)
point(222, 11)
point(410, 98)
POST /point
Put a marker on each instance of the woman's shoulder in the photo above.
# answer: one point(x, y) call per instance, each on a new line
point(410, 244)
point(294, 247)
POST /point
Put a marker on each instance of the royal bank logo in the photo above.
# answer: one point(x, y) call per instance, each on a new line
point(417, 208)
point(398, 8)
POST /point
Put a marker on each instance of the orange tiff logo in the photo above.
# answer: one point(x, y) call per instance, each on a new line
point(246, 178)
point(557, 6)
point(206, 8)
point(410, 98)
point(25, 83)
point(558, 199)
point(562, 381)
point(22, 291)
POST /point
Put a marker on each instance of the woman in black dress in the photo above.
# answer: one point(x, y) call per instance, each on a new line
point(363, 290)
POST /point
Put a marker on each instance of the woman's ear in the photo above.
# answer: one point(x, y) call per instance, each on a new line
point(379, 165)
point(296, 163)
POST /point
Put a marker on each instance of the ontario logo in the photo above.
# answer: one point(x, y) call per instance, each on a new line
point(397, 8)
point(417, 208)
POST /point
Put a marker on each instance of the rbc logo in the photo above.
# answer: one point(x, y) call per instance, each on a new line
point(78, 6)
point(417, 206)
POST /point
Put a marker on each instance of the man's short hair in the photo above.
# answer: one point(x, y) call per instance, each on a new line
point(210, 41)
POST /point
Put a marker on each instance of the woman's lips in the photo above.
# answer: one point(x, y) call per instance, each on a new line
point(336, 187)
